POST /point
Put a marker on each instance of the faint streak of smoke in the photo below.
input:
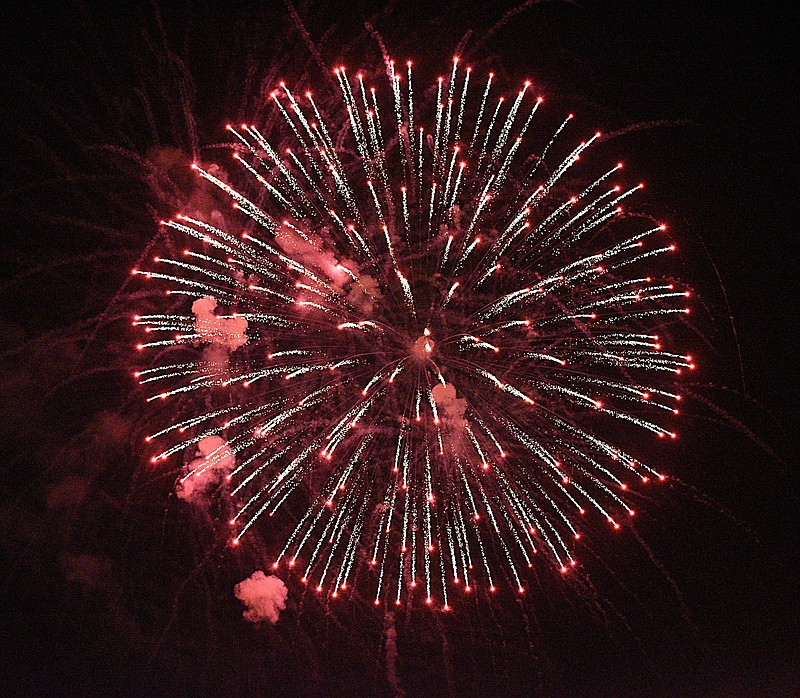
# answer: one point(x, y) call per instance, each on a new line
point(505, 19)
point(387, 59)
point(265, 597)
point(91, 571)
point(390, 633)
point(446, 654)
point(687, 616)
point(68, 493)
point(310, 45)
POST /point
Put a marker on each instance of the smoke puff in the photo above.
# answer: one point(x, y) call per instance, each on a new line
point(228, 332)
point(265, 597)
point(451, 406)
point(214, 459)
point(311, 251)
point(451, 412)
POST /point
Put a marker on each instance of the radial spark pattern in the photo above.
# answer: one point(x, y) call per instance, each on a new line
point(423, 340)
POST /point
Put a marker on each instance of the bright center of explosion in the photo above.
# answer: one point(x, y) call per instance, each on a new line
point(422, 348)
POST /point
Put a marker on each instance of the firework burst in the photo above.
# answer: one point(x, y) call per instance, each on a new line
point(421, 335)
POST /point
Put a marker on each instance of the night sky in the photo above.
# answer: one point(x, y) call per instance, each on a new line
point(109, 586)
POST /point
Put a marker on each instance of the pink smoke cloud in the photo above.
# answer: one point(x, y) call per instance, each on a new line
point(264, 597)
point(214, 459)
point(227, 332)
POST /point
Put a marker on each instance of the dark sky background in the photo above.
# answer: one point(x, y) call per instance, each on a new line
point(109, 587)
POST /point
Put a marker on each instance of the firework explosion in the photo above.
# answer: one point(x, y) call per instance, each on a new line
point(422, 337)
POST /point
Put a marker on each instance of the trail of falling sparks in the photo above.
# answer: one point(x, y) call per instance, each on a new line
point(438, 339)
